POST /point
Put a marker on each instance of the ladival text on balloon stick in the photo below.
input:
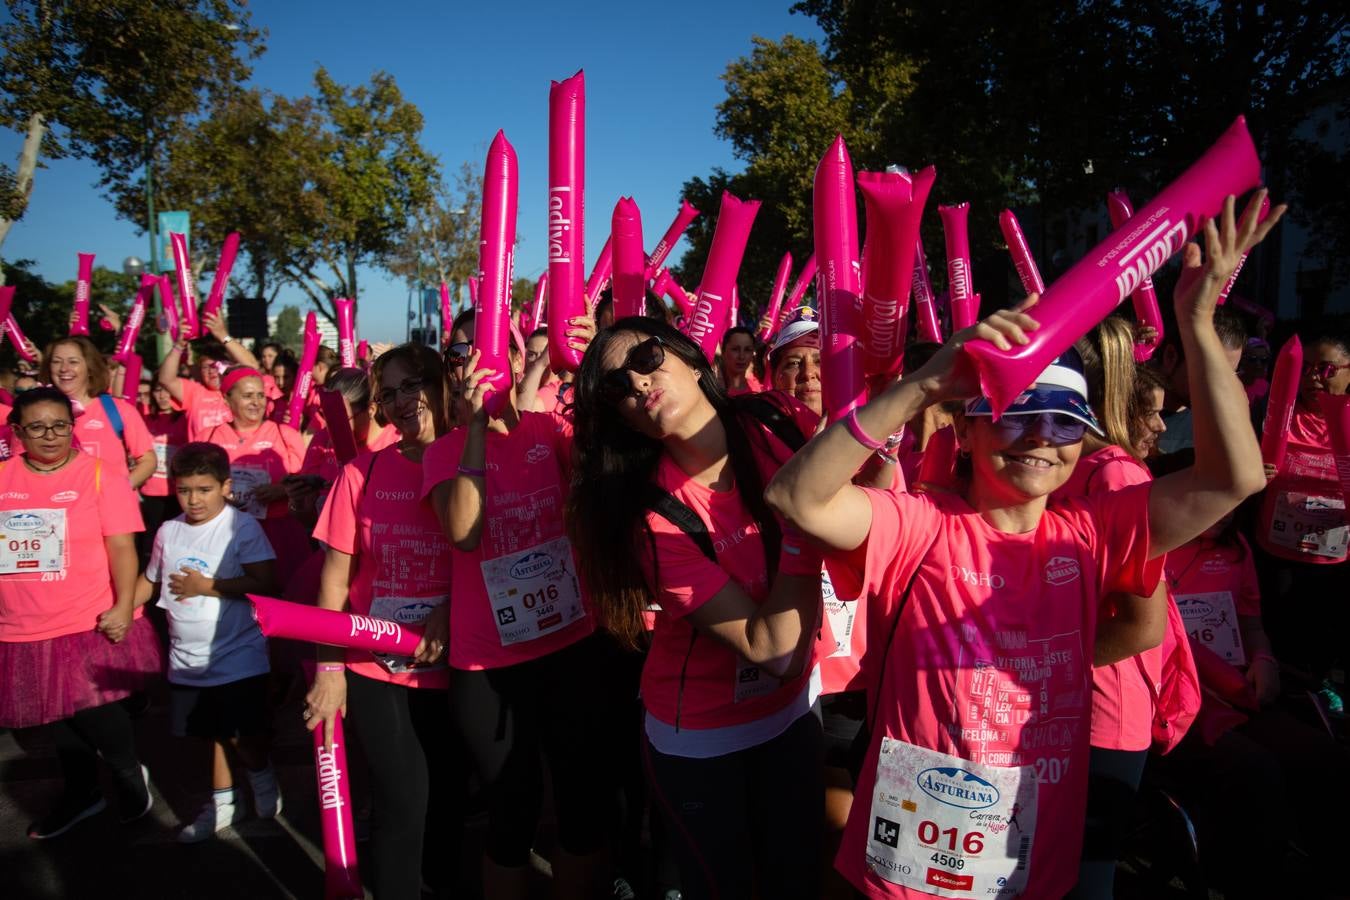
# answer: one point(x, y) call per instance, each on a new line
point(566, 212)
point(79, 323)
point(705, 323)
point(1145, 297)
point(838, 282)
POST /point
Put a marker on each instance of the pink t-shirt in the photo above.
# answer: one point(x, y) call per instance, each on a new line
point(1214, 586)
point(168, 432)
point(983, 699)
point(265, 455)
point(51, 589)
point(205, 409)
point(1122, 705)
point(516, 595)
point(322, 461)
point(400, 557)
point(1303, 510)
point(9, 445)
point(691, 680)
point(94, 434)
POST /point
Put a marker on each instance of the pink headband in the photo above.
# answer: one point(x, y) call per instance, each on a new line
point(234, 376)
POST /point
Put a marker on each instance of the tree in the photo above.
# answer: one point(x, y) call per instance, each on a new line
point(43, 309)
point(109, 80)
point(375, 176)
point(441, 241)
point(289, 329)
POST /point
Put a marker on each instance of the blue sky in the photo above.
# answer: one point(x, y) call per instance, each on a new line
point(653, 80)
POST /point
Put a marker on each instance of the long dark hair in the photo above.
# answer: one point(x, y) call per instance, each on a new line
point(613, 468)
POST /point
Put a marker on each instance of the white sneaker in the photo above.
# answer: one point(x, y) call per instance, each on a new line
point(213, 817)
point(266, 793)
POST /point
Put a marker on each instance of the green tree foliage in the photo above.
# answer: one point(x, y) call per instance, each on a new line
point(288, 331)
point(110, 81)
point(44, 308)
point(1046, 106)
point(441, 241)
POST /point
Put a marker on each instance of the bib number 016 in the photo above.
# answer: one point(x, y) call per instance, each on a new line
point(27, 545)
point(971, 843)
point(543, 595)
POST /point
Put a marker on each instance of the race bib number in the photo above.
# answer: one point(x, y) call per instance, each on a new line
point(840, 614)
point(533, 592)
point(1211, 619)
point(948, 826)
point(246, 481)
point(405, 611)
point(32, 540)
point(163, 454)
point(1310, 524)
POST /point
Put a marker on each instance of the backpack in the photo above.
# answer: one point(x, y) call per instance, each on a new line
point(1177, 698)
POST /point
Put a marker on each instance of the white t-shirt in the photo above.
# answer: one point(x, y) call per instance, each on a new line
point(212, 640)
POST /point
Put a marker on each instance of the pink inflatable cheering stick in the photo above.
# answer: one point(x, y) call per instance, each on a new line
point(894, 204)
point(668, 241)
point(302, 622)
point(665, 285)
point(168, 304)
point(1336, 410)
point(1252, 308)
point(492, 311)
point(363, 353)
point(6, 303)
point(1261, 215)
point(960, 286)
point(794, 300)
point(473, 290)
point(1023, 261)
point(79, 323)
point(447, 317)
point(537, 308)
point(604, 267)
point(838, 282)
point(630, 259)
point(937, 467)
point(11, 325)
point(566, 225)
point(341, 879)
point(706, 321)
point(1280, 403)
point(309, 355)
point(346, 327)
point(337, 417)
point(780, 280)
point(187, 290)
point(734, 309)
point(126, 341)
point(131, 377)
point(925, 303)
point(221, 282)
point(1145, 298)
point(1096, 284)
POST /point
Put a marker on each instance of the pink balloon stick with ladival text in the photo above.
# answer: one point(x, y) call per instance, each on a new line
point(187, 289)
point(894, 203)
point(925, 302)
point(838, 282)
point(960, 285)
point(794, 300)
point(630, 259)
point(1023, 261)
point(1115, 269)
point(537, 308)
point(346, 326)
point(566, 210)
point(83, 285)
point(221, 281)
point(131, 329)
point(780, 280)
point(11, 325)
point(707, 320)
point(1261, 215)
point(604, 267)
point(492, 311)
point(665, 285)
point(342, 880)
point(309, 355)
point(1145, 297)
point(663, 247)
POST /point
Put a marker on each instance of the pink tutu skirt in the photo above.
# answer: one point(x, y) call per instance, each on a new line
point(46, 681)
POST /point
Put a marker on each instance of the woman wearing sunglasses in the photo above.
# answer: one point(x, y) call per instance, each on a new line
point(667, 508)
point(70, 645)
point(1302, 530)
point(529, 665)
point(984, 603)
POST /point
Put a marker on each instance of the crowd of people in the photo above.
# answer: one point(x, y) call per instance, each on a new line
point(916, 650)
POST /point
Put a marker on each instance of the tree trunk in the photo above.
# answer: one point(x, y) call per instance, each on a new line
point(28, 160)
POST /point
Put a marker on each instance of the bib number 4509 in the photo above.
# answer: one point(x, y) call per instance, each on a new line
point(971, 843)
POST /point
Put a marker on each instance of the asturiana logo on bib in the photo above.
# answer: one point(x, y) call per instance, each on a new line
point(23, 522)
point(1061, 570)
point(1195, 608)
point(530, 565)
point(957, 787)
point(65, 496)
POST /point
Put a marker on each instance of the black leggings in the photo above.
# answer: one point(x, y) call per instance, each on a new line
point(1113, 782)
point(750, 817)
point(507, 716)
point(98, 731)
point(419, 808)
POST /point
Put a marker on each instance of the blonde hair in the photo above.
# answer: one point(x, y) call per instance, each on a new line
point(1108, 363)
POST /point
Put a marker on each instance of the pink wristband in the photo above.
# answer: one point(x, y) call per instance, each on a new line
point(472, 472)
point(331, 667)
point(862, 437)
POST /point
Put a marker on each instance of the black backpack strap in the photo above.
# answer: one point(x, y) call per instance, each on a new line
point(682, 517)
point(768, 414)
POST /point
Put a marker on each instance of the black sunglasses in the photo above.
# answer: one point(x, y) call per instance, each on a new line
point(458, 354)
point(644, 359)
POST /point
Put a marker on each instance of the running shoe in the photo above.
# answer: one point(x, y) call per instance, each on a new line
point(266, 793)
point(214, 817)
point(135, 799)
point(623, 890)
point(68, 813)
point(1331, 698)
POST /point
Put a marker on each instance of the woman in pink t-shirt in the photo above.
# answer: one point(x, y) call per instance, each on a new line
point(168, 432)
point(529, 669)
point(667, 509)
point(75, 367)
point(736, 362)
point(984, 603)
point(386, 557)
point(71, 645)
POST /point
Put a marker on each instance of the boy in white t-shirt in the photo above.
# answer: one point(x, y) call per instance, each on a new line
point(203, 563)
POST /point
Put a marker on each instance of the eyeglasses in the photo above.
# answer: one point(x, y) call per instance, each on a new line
point(39, 430)
point(1058, 428)
point(644, 359)
point(409, 387)
point(458, 354)
point(1323, 370)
